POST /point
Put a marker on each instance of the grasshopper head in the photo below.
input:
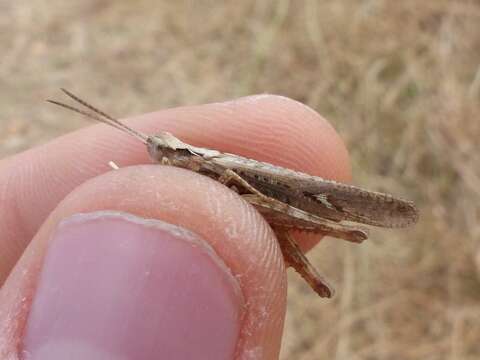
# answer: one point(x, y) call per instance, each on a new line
point(164, 144)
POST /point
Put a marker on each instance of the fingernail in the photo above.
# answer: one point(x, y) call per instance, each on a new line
point(115, 286)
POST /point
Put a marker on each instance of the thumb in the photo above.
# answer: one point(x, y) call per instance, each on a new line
point(143, 263)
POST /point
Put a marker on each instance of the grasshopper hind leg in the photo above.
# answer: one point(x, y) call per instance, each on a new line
point(292, 253)
point(295, 258)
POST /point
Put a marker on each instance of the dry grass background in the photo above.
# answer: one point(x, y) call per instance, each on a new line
point(400, 80)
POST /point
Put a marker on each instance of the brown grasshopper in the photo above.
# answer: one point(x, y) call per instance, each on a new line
point(288, 200)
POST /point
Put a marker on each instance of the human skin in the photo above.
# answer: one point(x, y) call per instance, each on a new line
point(46, 185)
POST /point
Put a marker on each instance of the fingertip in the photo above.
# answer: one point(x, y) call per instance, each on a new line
point(264, 127)
point(299, 135)
point(233, 229)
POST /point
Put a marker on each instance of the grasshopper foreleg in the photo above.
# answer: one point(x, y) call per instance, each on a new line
point(230, 177)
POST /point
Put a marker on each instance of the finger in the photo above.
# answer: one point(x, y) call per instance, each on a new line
point(104, 285)
point(268, 128)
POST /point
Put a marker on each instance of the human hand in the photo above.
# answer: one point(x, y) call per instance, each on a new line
point(205, 279)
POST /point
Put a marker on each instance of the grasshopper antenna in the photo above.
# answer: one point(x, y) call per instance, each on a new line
point(99, 115)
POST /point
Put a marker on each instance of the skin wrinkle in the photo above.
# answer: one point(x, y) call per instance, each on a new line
point(247, 217)
point(15, 301)
point(214, 204)
point(301, 106)
point(267, 303)
point(12, 217)
point(260, 305)
point(266, 253)
point(264, 311)
point(6, 196)
point(253, 245)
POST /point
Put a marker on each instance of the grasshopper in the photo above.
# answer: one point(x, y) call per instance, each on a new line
point(287, 199)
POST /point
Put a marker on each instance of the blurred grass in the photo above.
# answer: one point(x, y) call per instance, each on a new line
point(400, 80)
